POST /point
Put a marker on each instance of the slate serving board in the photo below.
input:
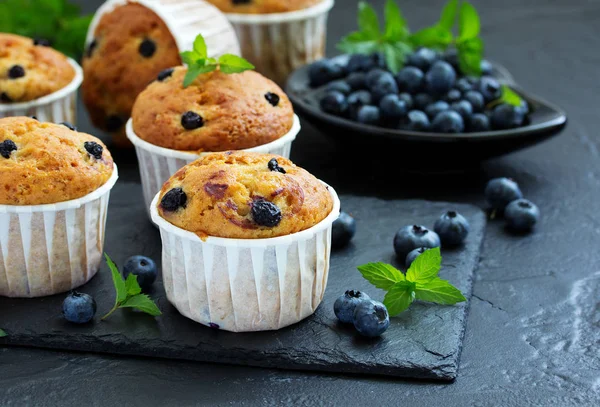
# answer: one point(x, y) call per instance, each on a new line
point(424, 342)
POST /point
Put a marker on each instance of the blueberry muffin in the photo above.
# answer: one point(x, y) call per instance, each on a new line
point(131, 45)
point(30, 69)
point(262, 6)
point(218, 112)
point(42, 163)
point(244, 196)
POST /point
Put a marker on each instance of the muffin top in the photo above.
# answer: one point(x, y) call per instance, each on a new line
point(30, 70)
point(262, 6)
point(244, 195)
point(43, 163)
point(217, 112)
point(131, 45)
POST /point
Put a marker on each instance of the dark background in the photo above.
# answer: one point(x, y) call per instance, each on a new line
point(533, 328)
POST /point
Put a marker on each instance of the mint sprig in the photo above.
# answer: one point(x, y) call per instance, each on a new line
point(129, 293)
point(2, 333)
point(199, 62)
point(420, 283)
point(439, 36)
point(469, 45)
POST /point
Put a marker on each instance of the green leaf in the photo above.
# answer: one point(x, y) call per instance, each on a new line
point(211, 61)
point(509, 96)
point(351, 45)
point(200, 47)
point(368, 22)
point(399, 297)
point(425, 267)
point(432, 37)
point(439, 291)
point(396, 28)
point(468, 22)
point(229, 63)
point(191, 58)
point(395, 55)
point(142, 303)
point(194, 71)
point(470, 54)
point(3, 333)
point(132, 286)
point(117, 280)
point(381, 275)
point(448, 17)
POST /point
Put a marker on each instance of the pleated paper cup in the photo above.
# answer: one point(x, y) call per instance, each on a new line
point(244, 285)
point(53, 248)
point(279, 43)
point(56, 107)
point(157, 164)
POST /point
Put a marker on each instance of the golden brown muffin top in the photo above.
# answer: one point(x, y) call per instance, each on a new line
point(29, 71)
point(43, 163)
point(262, 6)
point(218, 112)
point(245, 196)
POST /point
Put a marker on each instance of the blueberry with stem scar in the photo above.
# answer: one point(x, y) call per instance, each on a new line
point(191, 120)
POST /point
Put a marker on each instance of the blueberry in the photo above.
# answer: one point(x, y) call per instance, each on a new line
point(358, 99)
point(345, 305)
point(440, 78)
point(453, 95)
point(79, 308)
point(265, 213)
point(463, 108)
point(451, 57)
point(407, 98)
point(524, 108)
point(94, 149)
point(4, 98)
point(343, 230)
point(412, 237)
point(143, 268)
point(164, 74)
point(368, 115)
point(452, 228)
point(272, 98)
point(410, 79)
point(383, 85)
point(339, 86)
point(273, 165)
point(357, 80)
point(42, 42)
point(147, 48)
point(91, 47)
point(324, 71)
point(421, 101)
point(114, 123)
point(478, 122)
point(371, 318)
point(69, 126)
point(422, 58)
point(334, 102)
point(464, 85)
point(16, 71)
point(490, 88)
point(435, 108)
point(507, 116)
point(499, 192)
point(486, 67)
point(410, 257)
point(191, 120)
point(416, 120)
point(448, 122)
point(359, 62)
point(373, 76)
point(7, 147)
point(392, 108)
point(475, 99)
point(378, 61)
point(521, 215)
point(173, 200)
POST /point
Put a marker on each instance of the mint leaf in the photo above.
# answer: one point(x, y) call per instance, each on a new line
point(200, 47)
point(448, 17)
point(194, 71)
point(439, 291)
point(425, 267)
point(381, 275)
point(191, 58)
point(357, 43)
point(396, 28)
point(368, 22)
point(470, 54)
point(117, 280)
point(2, 333)
point(395, 55)
point(399, 297)
point(142, 303)
point(468, 22)
point(509, 96)
point(230, 63)
point(432, 37)
point(132, 286)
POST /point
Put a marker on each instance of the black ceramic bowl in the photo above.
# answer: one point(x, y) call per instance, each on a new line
point(546, 120)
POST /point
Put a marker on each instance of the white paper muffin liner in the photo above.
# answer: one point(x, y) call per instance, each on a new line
point(157, 164)
point(185, 19)
point(245, 285)
point(53, 248)
point(56, 107)
point(279, 43)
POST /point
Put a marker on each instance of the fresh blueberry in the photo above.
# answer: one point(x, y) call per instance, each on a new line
point(164, 74)
point(343, 230)
point(463, 108)
point(524, 108)
point(478, 122)
point(392, 108)
point(490, 88)
point(340, 86)
point(410, 257)
point(371, 318)
point(273, 165)
point(147, 48)
point(423, 58)
point(385, 84)
point(173, 200)
point(448, 122)
point(475, 99)
point(416, 120)
point(373, 76)
point(486, 67)
point(521, 215)
point(16, 71)
point(421, 101)
point(7, 147)
point(345, 305)
point(357, 80)
point(358, 99)
point(79, 308)
point(324, 71)
point(359, 62)
point(435, 108)
point(452, 228)
point(451, 57)
point(94, 149)
point(272, 98)
point(191, 120)
point(464, 85)
point(507, 116)
point(143, 268)
point(499, 192)
point(334, 102)
point(440, 78)
point(410, 79)
point(407, 98)
point(378, 61)
point(412, 237)
point(265, 213)
point(453, 95)
point(369, 115)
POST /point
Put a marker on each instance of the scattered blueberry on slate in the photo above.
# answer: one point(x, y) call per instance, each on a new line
point(191, 120)
point(448, 122)
point(334, 102)
point(345, 305)
point(273, 165)
point(265, 213)
point(79, 308)
point(368, 115)
point(173, 200)
point(94, 149)
point(343, 230)
point(165, 74)
point(371, 318)
point(499, 192)
point(410, 257)
point(7, 147)
point(521, 215)
point(416, 120)
point(147, 48)
point(143, 268)
point(16, 71)
point(452, 228)
point(412, 237)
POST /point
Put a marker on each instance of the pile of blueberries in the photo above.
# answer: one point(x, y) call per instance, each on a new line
point(429, 94)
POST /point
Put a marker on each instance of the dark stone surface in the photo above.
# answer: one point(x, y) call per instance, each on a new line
point(424, 342)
